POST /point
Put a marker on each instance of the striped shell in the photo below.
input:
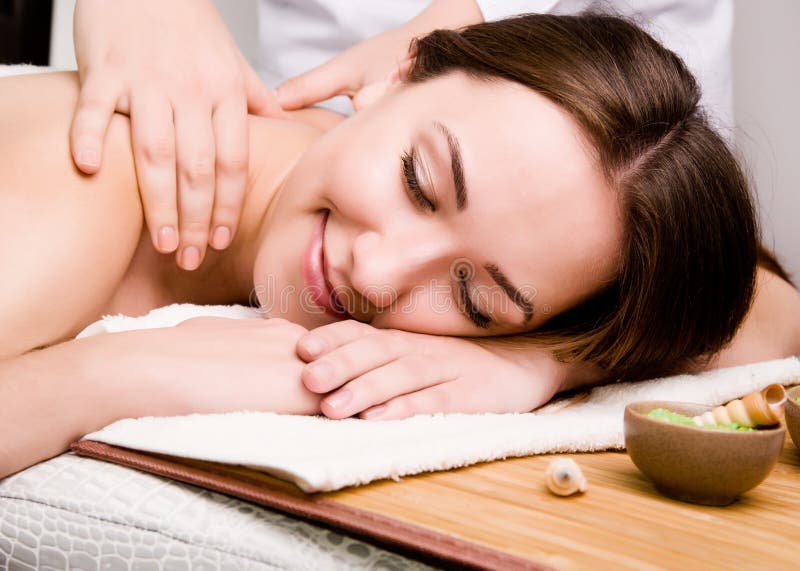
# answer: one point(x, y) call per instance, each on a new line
point(761, 408)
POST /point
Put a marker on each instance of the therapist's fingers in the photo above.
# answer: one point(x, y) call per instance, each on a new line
point(323, 82)
point(260, 99)
point(96, 103)
point(232, 152)
point(153, 138)
point(194, 143)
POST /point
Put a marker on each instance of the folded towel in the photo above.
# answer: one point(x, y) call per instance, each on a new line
point(168, 316)
point(23, 69)
point(320, 454)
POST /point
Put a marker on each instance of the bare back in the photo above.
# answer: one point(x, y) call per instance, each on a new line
point(74, 246)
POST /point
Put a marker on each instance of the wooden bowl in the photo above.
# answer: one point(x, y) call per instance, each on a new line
point(698, 465)
point(792, 408)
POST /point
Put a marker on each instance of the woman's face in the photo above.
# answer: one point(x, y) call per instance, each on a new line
point(453, 206)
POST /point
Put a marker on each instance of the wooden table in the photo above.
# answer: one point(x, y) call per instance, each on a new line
point(621, 522)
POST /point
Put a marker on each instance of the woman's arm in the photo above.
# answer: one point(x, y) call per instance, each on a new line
point(54, 396)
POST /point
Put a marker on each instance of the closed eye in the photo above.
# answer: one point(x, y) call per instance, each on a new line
point(478, 318)
point(415, 192)
point(418, 197)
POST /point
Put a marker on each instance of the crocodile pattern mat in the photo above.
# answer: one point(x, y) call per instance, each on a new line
point(80, 513)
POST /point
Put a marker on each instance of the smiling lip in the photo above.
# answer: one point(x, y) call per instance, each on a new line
point(315, 272)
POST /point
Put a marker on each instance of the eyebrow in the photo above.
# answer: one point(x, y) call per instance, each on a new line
point(456, 165)
point(516, 296)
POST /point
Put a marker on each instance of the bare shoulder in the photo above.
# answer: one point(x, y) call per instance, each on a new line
point(65, 238)
point(276, 145)
point(771, 329)
point(318, 117)
point(780, 309)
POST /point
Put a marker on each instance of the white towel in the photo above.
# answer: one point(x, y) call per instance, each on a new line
point(319, 454)
point(23, 69)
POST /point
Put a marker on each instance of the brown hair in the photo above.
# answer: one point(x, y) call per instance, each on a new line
point(687, 267)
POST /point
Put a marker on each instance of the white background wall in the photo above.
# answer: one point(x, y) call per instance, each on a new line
point(766, 50)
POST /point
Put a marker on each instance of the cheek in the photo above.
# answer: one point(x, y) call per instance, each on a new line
point(361, 166)
point(364, 184)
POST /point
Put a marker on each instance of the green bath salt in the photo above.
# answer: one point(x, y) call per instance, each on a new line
point(669, 416)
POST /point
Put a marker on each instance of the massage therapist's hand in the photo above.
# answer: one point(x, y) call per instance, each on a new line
point(387, 374)
point(214, 365)
point(174, 68)
point(364, 71)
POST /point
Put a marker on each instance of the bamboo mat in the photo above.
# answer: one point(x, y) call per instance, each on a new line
point(621, 522)
point(500, 516)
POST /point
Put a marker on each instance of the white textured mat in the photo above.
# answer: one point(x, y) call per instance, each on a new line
point(319, 454)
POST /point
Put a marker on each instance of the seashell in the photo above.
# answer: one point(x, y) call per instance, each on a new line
point(760, 408)
point(564, 477)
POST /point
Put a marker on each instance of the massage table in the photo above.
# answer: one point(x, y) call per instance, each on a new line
point(90, 514)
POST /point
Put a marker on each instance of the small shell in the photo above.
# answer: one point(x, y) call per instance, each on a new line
point(564, 477)
point(761, 408)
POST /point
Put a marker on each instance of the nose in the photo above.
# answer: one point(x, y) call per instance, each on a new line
point(386, 267)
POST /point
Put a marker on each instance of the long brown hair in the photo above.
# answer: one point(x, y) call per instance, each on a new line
point(688, 260)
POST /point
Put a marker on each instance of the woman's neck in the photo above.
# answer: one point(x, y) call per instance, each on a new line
point(227, 276)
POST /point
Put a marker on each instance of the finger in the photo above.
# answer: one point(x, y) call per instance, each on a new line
point(260, 99)
point(194, 143)
point(232, 152)
point(468, 395)
point(93, 112)
point(153, 139)
point(319, 341)
point(350, 360)
point(446, 398)
point(400, 73)
point(369, 94)
point(318, 84)
point(405, 375)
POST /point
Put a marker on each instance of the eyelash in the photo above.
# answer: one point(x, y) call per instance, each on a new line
point(474, 315)
point(412, 183)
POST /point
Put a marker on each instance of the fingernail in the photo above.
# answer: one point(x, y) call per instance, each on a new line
point(89, 158)
point(375, 412)
point(167, 239)
point(313, 346)
point(340, 399)
point(321, 371)
point(221, 237)
point(190, 258)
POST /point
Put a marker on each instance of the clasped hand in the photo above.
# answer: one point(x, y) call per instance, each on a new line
point(388, 374)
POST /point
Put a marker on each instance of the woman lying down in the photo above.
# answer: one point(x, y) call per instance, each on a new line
point(539, 205)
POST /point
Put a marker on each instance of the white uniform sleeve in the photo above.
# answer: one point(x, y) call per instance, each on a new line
point(498, 9)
